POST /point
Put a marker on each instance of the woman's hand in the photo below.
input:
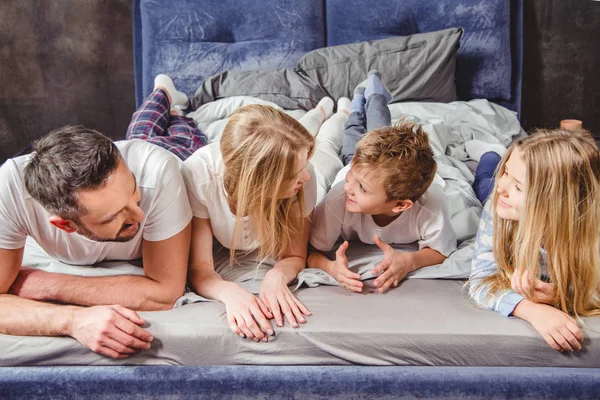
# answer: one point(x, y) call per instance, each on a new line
point(276, 295)
point(247, 314)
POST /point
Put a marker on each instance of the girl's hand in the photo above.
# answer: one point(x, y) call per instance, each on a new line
point(247, 314)
point(558, 329)
point(395, 266)
point(339, 270)
point(276, 295)
point(522, 281)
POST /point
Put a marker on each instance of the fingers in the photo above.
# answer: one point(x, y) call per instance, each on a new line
point(382, 266)
point(117, 346)
point(382, 245)
point(296, 309)
point(265, 309)
point(301, 306)
point(550, 340)
point(107, 351)
point(234, 326)
point(390, 282)
point(341, 251)
point(271, 301)
point(127, 339)
point(133, 330)
point(287, 311)
point(261, 318)
point(575, 330)
point(351, 284)
point(561, 340)
point(570, 338)
point(241, 323)
point(525, 282)
point(256, 333)
point(129, 314)
point(382, 278)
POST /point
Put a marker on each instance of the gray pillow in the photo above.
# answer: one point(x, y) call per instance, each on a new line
point(419, 67)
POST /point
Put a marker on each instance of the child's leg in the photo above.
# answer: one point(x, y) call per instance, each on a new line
point(377, 112)
point(484, 175)
point(156, 122)
point(314, 118)
point(377, 97)
point(355, 127)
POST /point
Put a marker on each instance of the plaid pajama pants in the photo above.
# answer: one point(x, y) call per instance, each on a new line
point(153, 123)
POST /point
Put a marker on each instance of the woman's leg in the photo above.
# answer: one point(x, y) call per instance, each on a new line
point(326, 159)
point(314, 118)
point(484, 175)
point(158, 123)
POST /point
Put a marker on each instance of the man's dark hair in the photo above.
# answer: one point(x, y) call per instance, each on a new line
point(66, 161)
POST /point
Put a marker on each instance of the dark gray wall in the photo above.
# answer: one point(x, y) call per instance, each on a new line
point(562, 63)
point(70, 62)
point(64, 62)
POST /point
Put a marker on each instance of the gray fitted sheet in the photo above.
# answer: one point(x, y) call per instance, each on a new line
point(422, 322)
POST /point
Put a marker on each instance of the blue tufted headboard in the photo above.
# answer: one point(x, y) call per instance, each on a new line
point(194, 39)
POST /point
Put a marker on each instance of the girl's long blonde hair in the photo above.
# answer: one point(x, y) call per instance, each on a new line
point(260, 147)
point(561, 214)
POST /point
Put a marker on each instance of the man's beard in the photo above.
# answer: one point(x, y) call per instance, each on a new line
point(83, 231)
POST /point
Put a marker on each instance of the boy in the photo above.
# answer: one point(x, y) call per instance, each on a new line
point(387, 198)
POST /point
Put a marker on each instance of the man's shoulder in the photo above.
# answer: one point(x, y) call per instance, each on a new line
point(11, 175)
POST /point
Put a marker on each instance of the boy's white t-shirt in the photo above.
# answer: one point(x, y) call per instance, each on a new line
point(426, 222)
point(163, 199)
point(203, 174)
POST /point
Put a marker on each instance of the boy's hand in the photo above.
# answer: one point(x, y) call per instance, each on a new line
point(393, 267)
point(521, 282)
point(339, 270)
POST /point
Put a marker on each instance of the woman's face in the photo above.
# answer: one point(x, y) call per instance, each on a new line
point(511, 187)
point(301, 176)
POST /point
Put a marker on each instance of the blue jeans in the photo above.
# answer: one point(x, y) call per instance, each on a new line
point(484, 175)
point(376, 115)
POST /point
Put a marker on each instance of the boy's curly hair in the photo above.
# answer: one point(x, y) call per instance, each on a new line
point(403, 158)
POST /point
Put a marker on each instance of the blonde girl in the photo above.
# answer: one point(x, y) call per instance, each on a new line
point(254, 192)
point(537, 255)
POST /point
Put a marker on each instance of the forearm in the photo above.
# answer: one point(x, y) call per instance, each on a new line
point(426, 257)
point(208, 283)
point(138, 293)
point(290, 267)
point(24, 317)
point(319, 260)
point(525, 309)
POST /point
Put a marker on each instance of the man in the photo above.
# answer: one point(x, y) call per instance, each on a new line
point(84, 199)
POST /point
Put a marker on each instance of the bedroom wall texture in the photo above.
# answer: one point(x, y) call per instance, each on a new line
point(71, 62)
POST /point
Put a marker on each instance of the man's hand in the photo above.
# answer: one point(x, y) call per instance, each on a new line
point(393, 268)
point(113, 331)
point(522, 281)
point(340, 272)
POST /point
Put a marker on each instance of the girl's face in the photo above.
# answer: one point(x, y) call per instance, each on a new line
point(302, 176)
point(511, 187)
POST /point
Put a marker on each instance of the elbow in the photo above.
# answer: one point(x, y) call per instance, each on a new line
point(162, 300)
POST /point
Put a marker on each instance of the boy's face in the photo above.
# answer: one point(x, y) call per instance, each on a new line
point(365, 192)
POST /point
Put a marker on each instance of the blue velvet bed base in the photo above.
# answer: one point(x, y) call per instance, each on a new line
point(243, 34)
point(317, 382)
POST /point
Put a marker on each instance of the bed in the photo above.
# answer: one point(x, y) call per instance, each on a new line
point(402, 344)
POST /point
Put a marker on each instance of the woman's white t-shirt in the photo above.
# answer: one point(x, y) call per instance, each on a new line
point(203, 175)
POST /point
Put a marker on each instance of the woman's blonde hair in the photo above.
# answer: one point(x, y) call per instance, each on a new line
point(561, 214)
point(260, 147)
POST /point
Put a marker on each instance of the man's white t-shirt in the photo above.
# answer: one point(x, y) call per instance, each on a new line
point(426, 222)
point(163, 199)
point(203, 174)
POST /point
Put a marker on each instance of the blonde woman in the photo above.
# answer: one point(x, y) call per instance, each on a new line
point(254, 193)
point(537, 251)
